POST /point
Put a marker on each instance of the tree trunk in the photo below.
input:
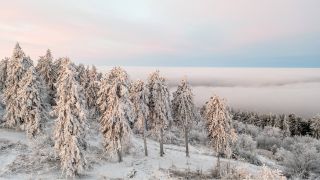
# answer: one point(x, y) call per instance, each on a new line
point(186, 141)
point(119, 156)
point(161, 143)
point(218, 166)
point(145, 142)
point(145, 124)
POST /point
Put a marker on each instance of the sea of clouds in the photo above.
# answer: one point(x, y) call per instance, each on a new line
point(277, 90)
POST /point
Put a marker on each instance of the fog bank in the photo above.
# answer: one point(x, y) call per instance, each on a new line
point(278, 90)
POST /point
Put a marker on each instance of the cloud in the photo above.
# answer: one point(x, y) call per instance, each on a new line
point(168, 32)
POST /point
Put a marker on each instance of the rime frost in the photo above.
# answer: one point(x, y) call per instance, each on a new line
point(139, 95)
point(116, 111)
point(315, 126)
point(91, 90)
point(3, 73)
point(17, 67)
point(46, 71)
point(220, 132)
point(31, 109)
point(159, 105)
point(183, 108)
point(69, 135)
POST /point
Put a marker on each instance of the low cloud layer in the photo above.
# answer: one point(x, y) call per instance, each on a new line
point(256, 89)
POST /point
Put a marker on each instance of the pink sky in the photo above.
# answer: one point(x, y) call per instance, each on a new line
point(147, 31)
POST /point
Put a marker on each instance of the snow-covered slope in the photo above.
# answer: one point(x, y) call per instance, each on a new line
point(16, 163)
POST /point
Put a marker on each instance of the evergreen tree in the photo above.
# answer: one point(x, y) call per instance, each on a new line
point(286, 127)
point(17, 67)
point(159, 105)
point(116, 111)
point(220, 131)
point(183, 109)
point(30, 97)
point(139, 96)
point(69, 135)
point(91, 90)
point(82, 76)
point(294, 124)
point(3, 73)
point(315, 126)
point(57, 68)
point(46, 71)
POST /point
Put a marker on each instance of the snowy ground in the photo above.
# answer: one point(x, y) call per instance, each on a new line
point(15, 148)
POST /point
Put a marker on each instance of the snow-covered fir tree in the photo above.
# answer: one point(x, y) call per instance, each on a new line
point(286, 126)
point(294, 122)
point(139, 95)
point(115, 111)
point(69, 130)
point(46, 71)
point(91, 91)
point(159, 107)
point(220, 131)
point(82, 76)
point(31, 109)
point(58, 66)
point(3, 73)
point(315, 126)
point(16, 69)
point(183, 109)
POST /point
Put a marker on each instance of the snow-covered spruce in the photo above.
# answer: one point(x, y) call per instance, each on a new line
point(139, 95)
point(58, 66)
point(115, 111)
point(82, 76)
point(91, 91)
point(16, 69)
point(159, 107)
point(70, 123)
point(286, 126)
point(315, 126)
point(3, 73)
point(183, 109)
point(31, 109)
point(220, 131)
point(46, 71)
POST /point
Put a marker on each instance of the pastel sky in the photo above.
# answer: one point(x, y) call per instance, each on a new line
point(236, 33)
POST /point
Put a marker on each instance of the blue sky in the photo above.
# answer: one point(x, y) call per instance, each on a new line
point(230, 33)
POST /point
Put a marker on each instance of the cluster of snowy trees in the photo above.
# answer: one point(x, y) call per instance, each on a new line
point(299, 155)
point(72, 94)
point(291, 124)
point(30, 92)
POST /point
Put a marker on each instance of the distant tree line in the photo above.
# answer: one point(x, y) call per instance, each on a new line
point(291, 124)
